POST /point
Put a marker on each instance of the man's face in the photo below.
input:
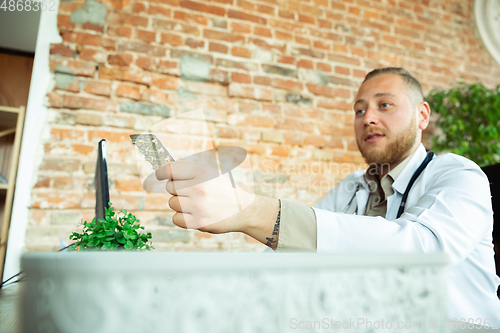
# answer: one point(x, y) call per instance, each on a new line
point(385, 120)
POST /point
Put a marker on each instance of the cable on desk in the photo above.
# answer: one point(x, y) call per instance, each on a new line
point(7, 283)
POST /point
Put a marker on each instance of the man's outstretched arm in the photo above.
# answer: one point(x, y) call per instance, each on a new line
point(210, 204)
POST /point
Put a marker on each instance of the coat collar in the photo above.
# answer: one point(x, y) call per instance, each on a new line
point(404, 177)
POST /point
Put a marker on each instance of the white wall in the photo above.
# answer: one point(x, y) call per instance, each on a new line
point(31, 148)
point(19, 29)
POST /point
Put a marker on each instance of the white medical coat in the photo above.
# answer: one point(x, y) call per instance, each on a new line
point(448, 209)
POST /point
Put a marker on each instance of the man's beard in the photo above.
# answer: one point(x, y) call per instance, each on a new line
point(395, 149)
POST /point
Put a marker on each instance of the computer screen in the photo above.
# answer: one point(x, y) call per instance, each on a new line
point(101, 182)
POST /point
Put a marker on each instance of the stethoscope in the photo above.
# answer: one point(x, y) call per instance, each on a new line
point(417, 173)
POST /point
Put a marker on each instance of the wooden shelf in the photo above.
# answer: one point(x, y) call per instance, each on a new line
point(10, 109)
point(7, 131)
point(11, 130)
point(8, 117)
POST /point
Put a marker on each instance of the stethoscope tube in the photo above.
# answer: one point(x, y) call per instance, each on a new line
point(417, 173)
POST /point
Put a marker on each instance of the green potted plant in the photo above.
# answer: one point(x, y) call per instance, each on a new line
point(117, 231)
point(469, 117)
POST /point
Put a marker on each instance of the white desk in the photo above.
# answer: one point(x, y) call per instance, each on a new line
point(230, 292)
point(185, 293)
point(202, 292)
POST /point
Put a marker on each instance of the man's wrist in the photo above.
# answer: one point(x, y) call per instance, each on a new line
point(272, 241)
point(260, 219)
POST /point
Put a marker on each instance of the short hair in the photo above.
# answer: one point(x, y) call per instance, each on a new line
point(415, 89)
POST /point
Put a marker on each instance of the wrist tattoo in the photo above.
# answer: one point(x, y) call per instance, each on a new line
point(270, 240)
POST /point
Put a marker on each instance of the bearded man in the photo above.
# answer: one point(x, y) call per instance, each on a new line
point(446, 207)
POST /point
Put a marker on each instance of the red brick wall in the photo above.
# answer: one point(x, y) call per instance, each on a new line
point(279, 75)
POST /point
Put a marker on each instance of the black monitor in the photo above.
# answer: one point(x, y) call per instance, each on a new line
point(493, 173)
point(101, 182)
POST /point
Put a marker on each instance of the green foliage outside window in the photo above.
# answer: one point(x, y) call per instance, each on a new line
point(469, 117)
point(112, 233)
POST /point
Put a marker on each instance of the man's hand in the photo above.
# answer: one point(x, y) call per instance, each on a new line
point(202, 198)
point(207, 201)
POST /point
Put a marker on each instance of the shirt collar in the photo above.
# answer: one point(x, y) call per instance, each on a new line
point(400, 175)
point(372, 180)
point(394, 173)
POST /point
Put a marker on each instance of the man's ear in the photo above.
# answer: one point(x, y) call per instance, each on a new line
point(424, 112)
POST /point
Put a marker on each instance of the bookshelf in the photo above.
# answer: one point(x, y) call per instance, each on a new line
point(11, 128)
